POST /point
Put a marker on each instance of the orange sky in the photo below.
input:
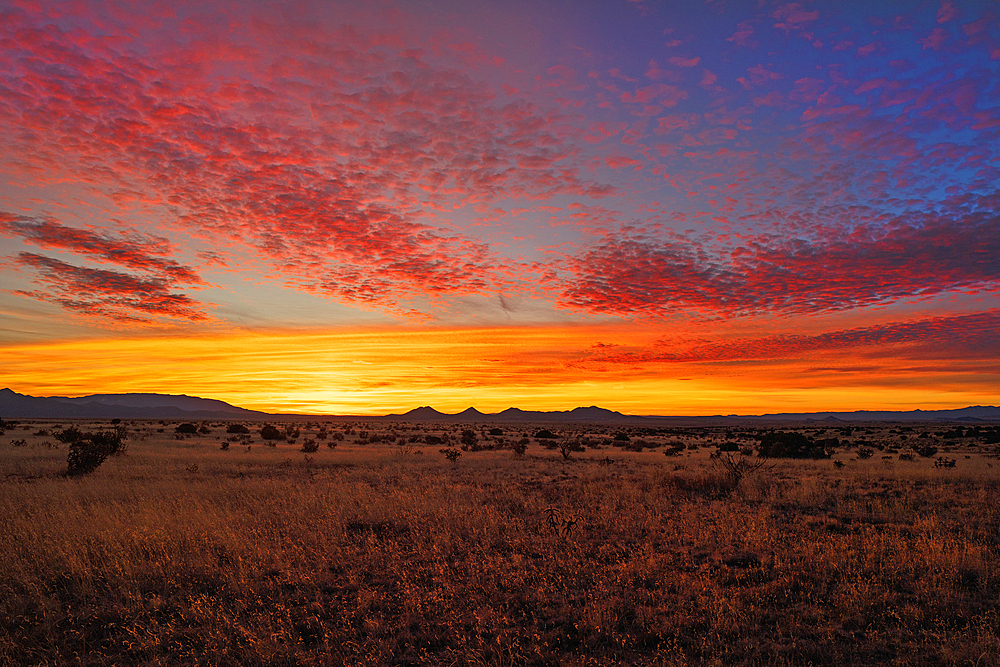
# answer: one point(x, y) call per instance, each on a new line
point(542, 368)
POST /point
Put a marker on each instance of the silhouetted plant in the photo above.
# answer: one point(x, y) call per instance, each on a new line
point(567, 447)
point(87, 453)
point(865, 453)
point(309, 446)
point(791, 445)
point(737, 468)
point(237, 428)
point(545, 434)
point(451, 454)
point(186, 429)
point(520, 447)
point(271, 433)
point(70, 435)
point(927, 451)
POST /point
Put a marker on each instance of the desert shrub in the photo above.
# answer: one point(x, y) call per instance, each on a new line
point(567, 447)
point(790, 445)
point(673, 450)
point(224, 446)
point(237, 428)
point(729, 446)
point(496, 431)
point(70, 435)
point(545, 434)
point(204, 430)
point(451, 454)
point(87, 453)
point(906, 456)
point(944, 462)
point(433, 440)
point(84, 457)
point(469, 439)
point(621, 436)
point(186, 429)
point(271, 433)
point(19, 443)
point(520, 447)
point(927, 451)
point(865, 453)
point(309, 446)
point(735, 469)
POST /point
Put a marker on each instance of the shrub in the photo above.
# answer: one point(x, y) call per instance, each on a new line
point(566, 447)
point(87, 453)
point(790, 445)
point(309, 446)
point(237, 428)
point(186, 429)
point(469, 439)
point(271, 433)
point(451, 454)
point(496, 431)
point(545, 434)
point(864, 453)
point(70, 435)
point(520, 447)
point(224, 446)
point(927, 451)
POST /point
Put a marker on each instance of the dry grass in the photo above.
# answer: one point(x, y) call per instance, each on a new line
point(180, 553)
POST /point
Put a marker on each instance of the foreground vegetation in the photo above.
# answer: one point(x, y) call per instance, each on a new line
point(199, 544)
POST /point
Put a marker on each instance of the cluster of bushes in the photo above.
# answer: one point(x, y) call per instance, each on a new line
point(792, 445)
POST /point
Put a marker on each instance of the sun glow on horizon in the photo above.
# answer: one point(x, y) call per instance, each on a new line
point(380, 372)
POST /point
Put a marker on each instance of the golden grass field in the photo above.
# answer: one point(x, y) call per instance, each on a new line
point(179, 553)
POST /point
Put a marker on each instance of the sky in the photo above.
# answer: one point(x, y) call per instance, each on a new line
point(684, 208)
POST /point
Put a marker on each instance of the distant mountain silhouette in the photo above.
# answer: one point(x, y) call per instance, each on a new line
point(122, 406)
point(166, 406)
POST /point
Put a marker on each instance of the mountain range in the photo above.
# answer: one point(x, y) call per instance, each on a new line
point(166, 406)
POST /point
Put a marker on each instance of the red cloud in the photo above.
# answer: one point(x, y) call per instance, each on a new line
point(137, 252)
point(108, 294)
point(916, 256)
point(973, 334)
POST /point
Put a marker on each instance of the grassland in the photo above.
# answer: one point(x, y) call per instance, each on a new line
point(380, 551)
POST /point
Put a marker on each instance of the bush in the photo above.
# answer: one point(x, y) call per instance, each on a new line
point(237, 428)
point(87, 453)
point(927, 451)
point(865, 453)
point(271, 433)
point(451, 454)
point(186, 429)
point(309, 446)
point(545, 434)
point(791, 445)
point(70, 435)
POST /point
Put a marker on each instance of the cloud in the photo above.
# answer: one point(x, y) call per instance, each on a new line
point(137, 251)
point(913, 256)
point(326, 153)
point(968, 334)
point(108, 294)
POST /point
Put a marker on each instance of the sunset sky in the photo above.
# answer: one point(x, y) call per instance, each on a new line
point(685, 208)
